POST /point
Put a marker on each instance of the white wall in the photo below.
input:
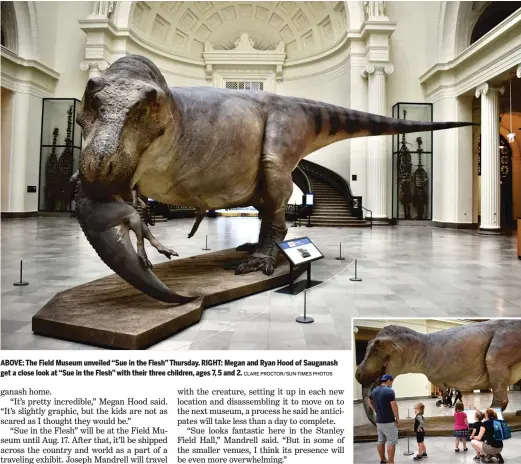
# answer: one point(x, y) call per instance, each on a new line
point(70, 48)
point(7, 120)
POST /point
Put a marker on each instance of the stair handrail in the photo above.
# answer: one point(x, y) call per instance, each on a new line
point(301, 180)
point(331, 178)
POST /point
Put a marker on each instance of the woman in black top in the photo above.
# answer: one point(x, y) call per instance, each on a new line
point(489, 446)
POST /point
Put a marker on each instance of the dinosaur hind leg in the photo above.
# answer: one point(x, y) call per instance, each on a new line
point(499, 359)
point(277, 189)
point(252, 247)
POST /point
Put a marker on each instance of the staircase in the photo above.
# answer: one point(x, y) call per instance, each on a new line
point(332, 196)
point(330, 209)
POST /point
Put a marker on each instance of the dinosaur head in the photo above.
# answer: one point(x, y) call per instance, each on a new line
point(382, 356)
point(120, 119)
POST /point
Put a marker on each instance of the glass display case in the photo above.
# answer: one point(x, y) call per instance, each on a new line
point(60, 148)
point(412, 165)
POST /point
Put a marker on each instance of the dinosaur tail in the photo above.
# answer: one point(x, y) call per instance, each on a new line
point(104, 225)
point(333, 123)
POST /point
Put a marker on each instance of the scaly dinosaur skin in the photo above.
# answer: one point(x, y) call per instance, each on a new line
point(475, 356)
point(210, 148)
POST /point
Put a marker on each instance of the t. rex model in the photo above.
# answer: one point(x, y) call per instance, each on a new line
point(474, 356)
point(206, 148)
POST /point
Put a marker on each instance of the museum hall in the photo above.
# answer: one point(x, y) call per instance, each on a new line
point(422, 224)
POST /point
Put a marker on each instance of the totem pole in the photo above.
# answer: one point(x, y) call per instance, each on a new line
point(65, 166)
point(421, 179)
point(404, 175)
point(51, 175)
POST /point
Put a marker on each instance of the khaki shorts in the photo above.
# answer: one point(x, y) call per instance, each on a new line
point(387, 433)
point(490, 450)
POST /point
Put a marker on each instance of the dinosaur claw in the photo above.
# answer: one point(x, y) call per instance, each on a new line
point(168, 252)
point(253, 263)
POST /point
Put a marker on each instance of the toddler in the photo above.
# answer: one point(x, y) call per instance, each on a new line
point(461, 427)
point(419, 428)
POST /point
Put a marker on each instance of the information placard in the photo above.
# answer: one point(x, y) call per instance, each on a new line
point(300, 250)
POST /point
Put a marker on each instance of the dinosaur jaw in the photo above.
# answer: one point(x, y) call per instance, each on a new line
point(367, 388)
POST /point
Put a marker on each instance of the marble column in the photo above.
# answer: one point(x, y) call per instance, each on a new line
point(490, 194)
point(95, 68)
point(376, 197)
point(19, 148)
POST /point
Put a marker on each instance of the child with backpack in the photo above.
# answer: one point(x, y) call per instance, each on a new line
point(419, 428)
point(492, 432)
point(461, 427)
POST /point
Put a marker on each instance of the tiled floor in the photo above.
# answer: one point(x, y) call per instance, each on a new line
point(439, 449)
point(406, 407)
point(407, 272)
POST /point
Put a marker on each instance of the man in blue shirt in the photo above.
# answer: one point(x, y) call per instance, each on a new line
point(383, 402)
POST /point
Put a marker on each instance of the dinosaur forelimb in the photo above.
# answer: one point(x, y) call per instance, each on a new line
point(137, 201)
point(199, 216)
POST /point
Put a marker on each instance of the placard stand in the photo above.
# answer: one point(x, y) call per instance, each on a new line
point(302, 242)
point(305, 319)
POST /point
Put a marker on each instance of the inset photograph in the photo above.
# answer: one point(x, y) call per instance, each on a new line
point(446, 390)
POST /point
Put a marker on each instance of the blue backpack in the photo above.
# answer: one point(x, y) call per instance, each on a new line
point(501, 430)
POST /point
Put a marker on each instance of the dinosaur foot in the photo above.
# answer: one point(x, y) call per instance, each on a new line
point(249, 247)
point(168, 252)
point(266, 264)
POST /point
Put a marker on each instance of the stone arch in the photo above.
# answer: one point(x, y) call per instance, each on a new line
point(354, 13)
point(27, 32)
point(9, 27)
point(456, 22)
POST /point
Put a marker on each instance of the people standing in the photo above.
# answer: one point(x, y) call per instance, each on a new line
point(382, 401)
point(419, 429)
point(461, 427)
point(458, 397)
point(489, 446)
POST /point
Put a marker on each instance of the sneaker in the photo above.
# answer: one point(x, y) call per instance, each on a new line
point(417, 458)
point(424, 455)
point(477, 458)
point(500, 458)
point(457, 450)
point(465, 449)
